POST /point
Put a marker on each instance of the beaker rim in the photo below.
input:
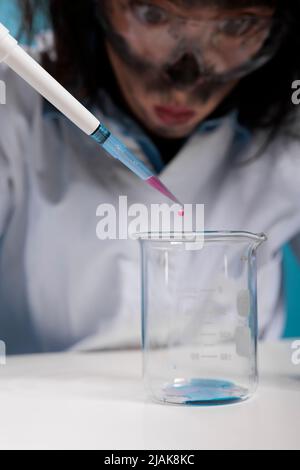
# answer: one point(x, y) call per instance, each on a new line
point(213, 235)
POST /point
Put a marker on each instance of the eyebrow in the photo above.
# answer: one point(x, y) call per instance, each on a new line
point(228, 4)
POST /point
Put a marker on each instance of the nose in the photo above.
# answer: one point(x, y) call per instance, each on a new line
point(185, 72)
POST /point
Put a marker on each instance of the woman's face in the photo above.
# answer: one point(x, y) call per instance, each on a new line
point(173, 59)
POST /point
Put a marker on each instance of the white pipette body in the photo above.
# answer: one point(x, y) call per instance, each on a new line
point(27, 68)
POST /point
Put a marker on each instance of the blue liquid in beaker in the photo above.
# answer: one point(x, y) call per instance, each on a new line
point(204, 392)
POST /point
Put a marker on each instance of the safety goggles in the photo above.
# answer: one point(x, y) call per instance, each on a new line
point(219, 48)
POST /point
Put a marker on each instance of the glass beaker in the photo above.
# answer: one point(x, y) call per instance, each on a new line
point(199, 316)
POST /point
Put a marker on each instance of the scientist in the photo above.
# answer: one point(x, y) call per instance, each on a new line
point(201, 91)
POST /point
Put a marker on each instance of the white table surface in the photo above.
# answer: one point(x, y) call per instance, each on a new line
point(97, 401)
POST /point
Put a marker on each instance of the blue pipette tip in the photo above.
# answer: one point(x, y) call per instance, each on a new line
point(115, 148)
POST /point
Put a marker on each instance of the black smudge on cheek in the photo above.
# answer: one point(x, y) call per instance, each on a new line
point(204, 93)
point(123, 50)
point(154, 78)
point(184, 72)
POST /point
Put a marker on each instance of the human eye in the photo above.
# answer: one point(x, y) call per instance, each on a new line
point(149, 14)
point(240, 27)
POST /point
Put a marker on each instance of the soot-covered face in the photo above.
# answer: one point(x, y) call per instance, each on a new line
point(176, 61)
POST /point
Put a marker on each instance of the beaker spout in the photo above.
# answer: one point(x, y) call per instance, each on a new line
point(260, 239)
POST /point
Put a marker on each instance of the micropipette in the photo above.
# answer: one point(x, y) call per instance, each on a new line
point(36, 76)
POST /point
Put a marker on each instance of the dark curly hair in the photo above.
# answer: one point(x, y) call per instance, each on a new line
point(263, 98)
